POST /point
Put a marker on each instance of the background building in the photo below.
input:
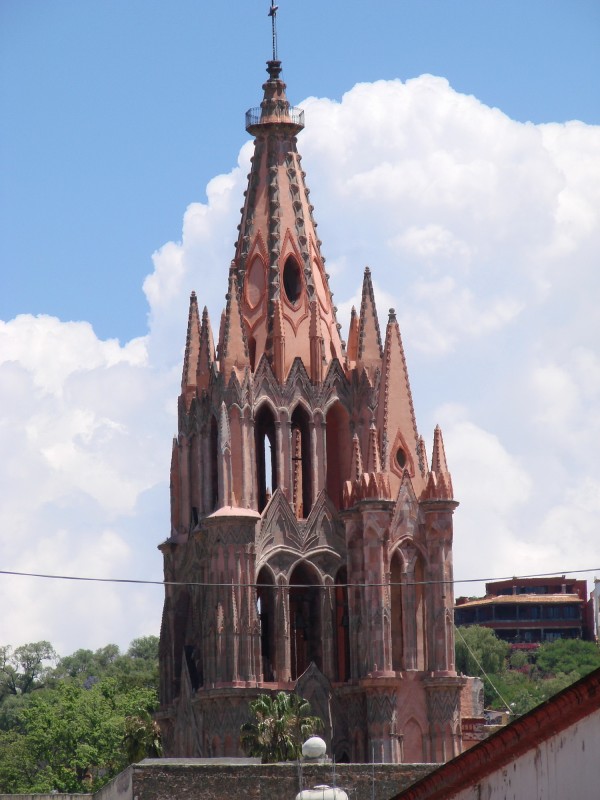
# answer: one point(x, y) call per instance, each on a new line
point(529, 611)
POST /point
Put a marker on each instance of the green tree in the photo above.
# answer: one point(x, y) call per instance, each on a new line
point(278, 727)
point(75, 738)
point(569, 657)
point(136, 668)
point(25, 668)
point(479, 650)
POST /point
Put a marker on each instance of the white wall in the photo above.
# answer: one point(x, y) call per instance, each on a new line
point(564, 767)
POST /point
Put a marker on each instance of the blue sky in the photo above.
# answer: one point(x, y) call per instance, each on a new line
point(453, 147)
point(118, 112)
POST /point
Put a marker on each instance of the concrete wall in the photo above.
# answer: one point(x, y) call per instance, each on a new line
point(196, 779)
point(120, 788)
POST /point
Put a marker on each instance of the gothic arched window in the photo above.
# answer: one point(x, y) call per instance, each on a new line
point(301, 463)
point(305, 620)
point(266, 454)
point(265, 601)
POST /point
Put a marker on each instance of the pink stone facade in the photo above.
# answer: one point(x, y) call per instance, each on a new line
point(311, 538)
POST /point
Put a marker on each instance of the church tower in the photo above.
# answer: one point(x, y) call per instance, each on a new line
point(311, 539)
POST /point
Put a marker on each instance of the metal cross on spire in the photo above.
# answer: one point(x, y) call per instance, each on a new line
point(273, 15)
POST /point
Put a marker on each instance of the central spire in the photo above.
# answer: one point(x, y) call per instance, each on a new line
point(285, 300)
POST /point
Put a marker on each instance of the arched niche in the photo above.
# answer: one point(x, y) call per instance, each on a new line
point(301, 462)
point(339, 451)
point(412, 742)
point(266, 454)
point(265, 604)
point(305, 619)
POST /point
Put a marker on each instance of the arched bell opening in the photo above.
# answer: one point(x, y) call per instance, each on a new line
point(266, 455)
point(305, 620)
point(342, 626)
point(301, 463)
point(339, 451)
point(265, 604)
point(396, 612)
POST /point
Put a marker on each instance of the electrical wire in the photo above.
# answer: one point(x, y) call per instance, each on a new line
point(209, 584)
point(457, 630)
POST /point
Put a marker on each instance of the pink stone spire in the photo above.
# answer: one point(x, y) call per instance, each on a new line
point(440, 481)
point(192, 348)
point(352, 348)
point(234, 354)
point(396, 423)
point(357, 463)
point(369, 352)
point(206, 355)
point(373, 456)
point(278, 257)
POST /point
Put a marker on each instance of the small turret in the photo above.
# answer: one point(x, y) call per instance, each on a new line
point(234, 355)
point(439, 481)
point(192, 348)
point(396, 421)
point(369, 351)
point(206, 355)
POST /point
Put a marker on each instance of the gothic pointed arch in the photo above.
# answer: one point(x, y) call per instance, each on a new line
point(266, 450)
point(302, 461)
point(266, 606)
point(306, 643)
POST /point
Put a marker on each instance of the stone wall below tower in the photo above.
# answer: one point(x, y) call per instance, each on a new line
point(197, 779)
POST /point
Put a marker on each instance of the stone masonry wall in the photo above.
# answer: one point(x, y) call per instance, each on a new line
point(163, 779)
point(197, 779)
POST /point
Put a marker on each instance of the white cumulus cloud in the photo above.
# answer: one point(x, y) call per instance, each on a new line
point(481, 231)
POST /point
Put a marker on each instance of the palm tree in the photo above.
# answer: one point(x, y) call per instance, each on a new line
point(278, 727)
point(142, 737)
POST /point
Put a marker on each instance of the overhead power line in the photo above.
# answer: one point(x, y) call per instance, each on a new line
point(207, 584)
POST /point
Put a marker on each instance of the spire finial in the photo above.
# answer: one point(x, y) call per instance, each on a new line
point(273, 14)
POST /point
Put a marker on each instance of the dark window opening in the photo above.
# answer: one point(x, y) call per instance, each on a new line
point(396, 612)
point(292, 279)
point(265, 602)
point(194, 673)
point(266, 455)
point(342, 627)
point(252, 352)
point(305, 621)
point(301, 463)
point(401, 458)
